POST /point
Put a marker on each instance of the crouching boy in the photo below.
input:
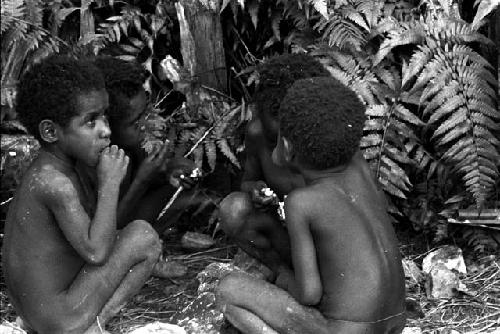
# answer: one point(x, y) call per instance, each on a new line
point(347, 275)
point(67, 268)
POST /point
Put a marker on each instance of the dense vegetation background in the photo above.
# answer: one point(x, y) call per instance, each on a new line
point(426, 70)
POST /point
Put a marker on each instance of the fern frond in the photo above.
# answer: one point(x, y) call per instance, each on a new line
point(211, 153)
point(320, 6)
point(355, 16)
point(451, 105)
point(480, 240)
point(371, 10)
point(484, 9)
point(224, 147)
point(12, 10)
point(417, 62)
point(456, 120)
point(198, 156)
point(406, 115)
point(412, 33)
point(382, 148)
point(341, 32)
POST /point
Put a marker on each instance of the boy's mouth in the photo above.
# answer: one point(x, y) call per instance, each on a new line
point(104, 147)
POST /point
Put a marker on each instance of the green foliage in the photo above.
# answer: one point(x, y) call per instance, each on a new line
point(457, 94)
point(24, 41)
point(432, 115)
point(141, 36)
point(203, 126)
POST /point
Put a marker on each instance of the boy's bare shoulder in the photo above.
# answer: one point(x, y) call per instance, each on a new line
point(311, 196)
point(48, 181)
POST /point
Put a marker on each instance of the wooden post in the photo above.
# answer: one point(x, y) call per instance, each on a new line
point(201, 42)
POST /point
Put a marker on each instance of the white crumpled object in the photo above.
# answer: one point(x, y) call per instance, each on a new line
point(447, 256)
point(412, 330)
point(11, 328)
point(158, 328)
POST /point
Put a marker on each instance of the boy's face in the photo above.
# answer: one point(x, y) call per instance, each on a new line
point(87, 133)
point(128, 132)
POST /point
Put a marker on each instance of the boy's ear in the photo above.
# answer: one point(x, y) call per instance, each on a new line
point(48, 131)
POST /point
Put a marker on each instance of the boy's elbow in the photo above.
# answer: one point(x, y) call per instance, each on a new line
point(98, 257)
point(310, 298)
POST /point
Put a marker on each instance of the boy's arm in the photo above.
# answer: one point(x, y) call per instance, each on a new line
point(149, 170)
point(156, 180)
point(252, 172)
point(305, 285)
point(93, 239)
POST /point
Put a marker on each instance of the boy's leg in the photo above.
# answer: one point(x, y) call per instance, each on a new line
point(258, 233)
point(239, 294)
point(254, 306)
point(246, 321)
point(103, 290)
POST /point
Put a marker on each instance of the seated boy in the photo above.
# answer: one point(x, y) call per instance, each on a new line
point(247, 213)
point(151, 180)
point(347, 275)
point(67, 268)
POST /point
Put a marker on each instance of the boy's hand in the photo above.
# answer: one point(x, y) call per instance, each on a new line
point(153, 165)
point(112, 166)
point(261, 194)
point(182, 172)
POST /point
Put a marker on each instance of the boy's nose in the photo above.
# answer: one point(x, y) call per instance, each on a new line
point(104, 130)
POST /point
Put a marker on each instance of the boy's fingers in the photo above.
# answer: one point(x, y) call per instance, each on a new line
point(126, 160)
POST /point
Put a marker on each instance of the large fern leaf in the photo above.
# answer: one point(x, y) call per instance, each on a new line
point(12, 10)
point(458, 96)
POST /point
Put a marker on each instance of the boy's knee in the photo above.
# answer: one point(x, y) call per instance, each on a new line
point(233, 211)
point(143, 236)
point(229, 287)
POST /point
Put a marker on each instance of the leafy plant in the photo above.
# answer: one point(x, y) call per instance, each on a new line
point(458, 96)
point(24, 41)
point(432, 116)
point(206, 124)
point(142, 36)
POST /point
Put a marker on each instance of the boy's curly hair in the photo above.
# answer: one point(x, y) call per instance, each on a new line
point(48, 90)
point(124, 79)
point(278, 73)
point(324, 121)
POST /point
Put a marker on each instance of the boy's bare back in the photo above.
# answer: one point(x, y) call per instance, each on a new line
point(36, 251)
point(340, 222)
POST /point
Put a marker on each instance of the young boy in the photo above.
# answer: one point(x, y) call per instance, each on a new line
point(248, 215)
point(151, 180)
point(66, 267)
point(347, 275)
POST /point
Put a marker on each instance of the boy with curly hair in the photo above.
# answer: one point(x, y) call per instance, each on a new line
point(249, 216)
point(347, 275)
point(67, 268)
point(151, 179)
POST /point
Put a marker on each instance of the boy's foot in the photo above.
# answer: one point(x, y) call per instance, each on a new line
point(165, 268)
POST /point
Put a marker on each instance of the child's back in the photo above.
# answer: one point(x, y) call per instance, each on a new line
point(355, 242)
point(34, 243)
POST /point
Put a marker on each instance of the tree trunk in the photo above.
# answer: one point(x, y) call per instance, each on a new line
point(86, 20)
point(495, 25)
point(201, 42)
